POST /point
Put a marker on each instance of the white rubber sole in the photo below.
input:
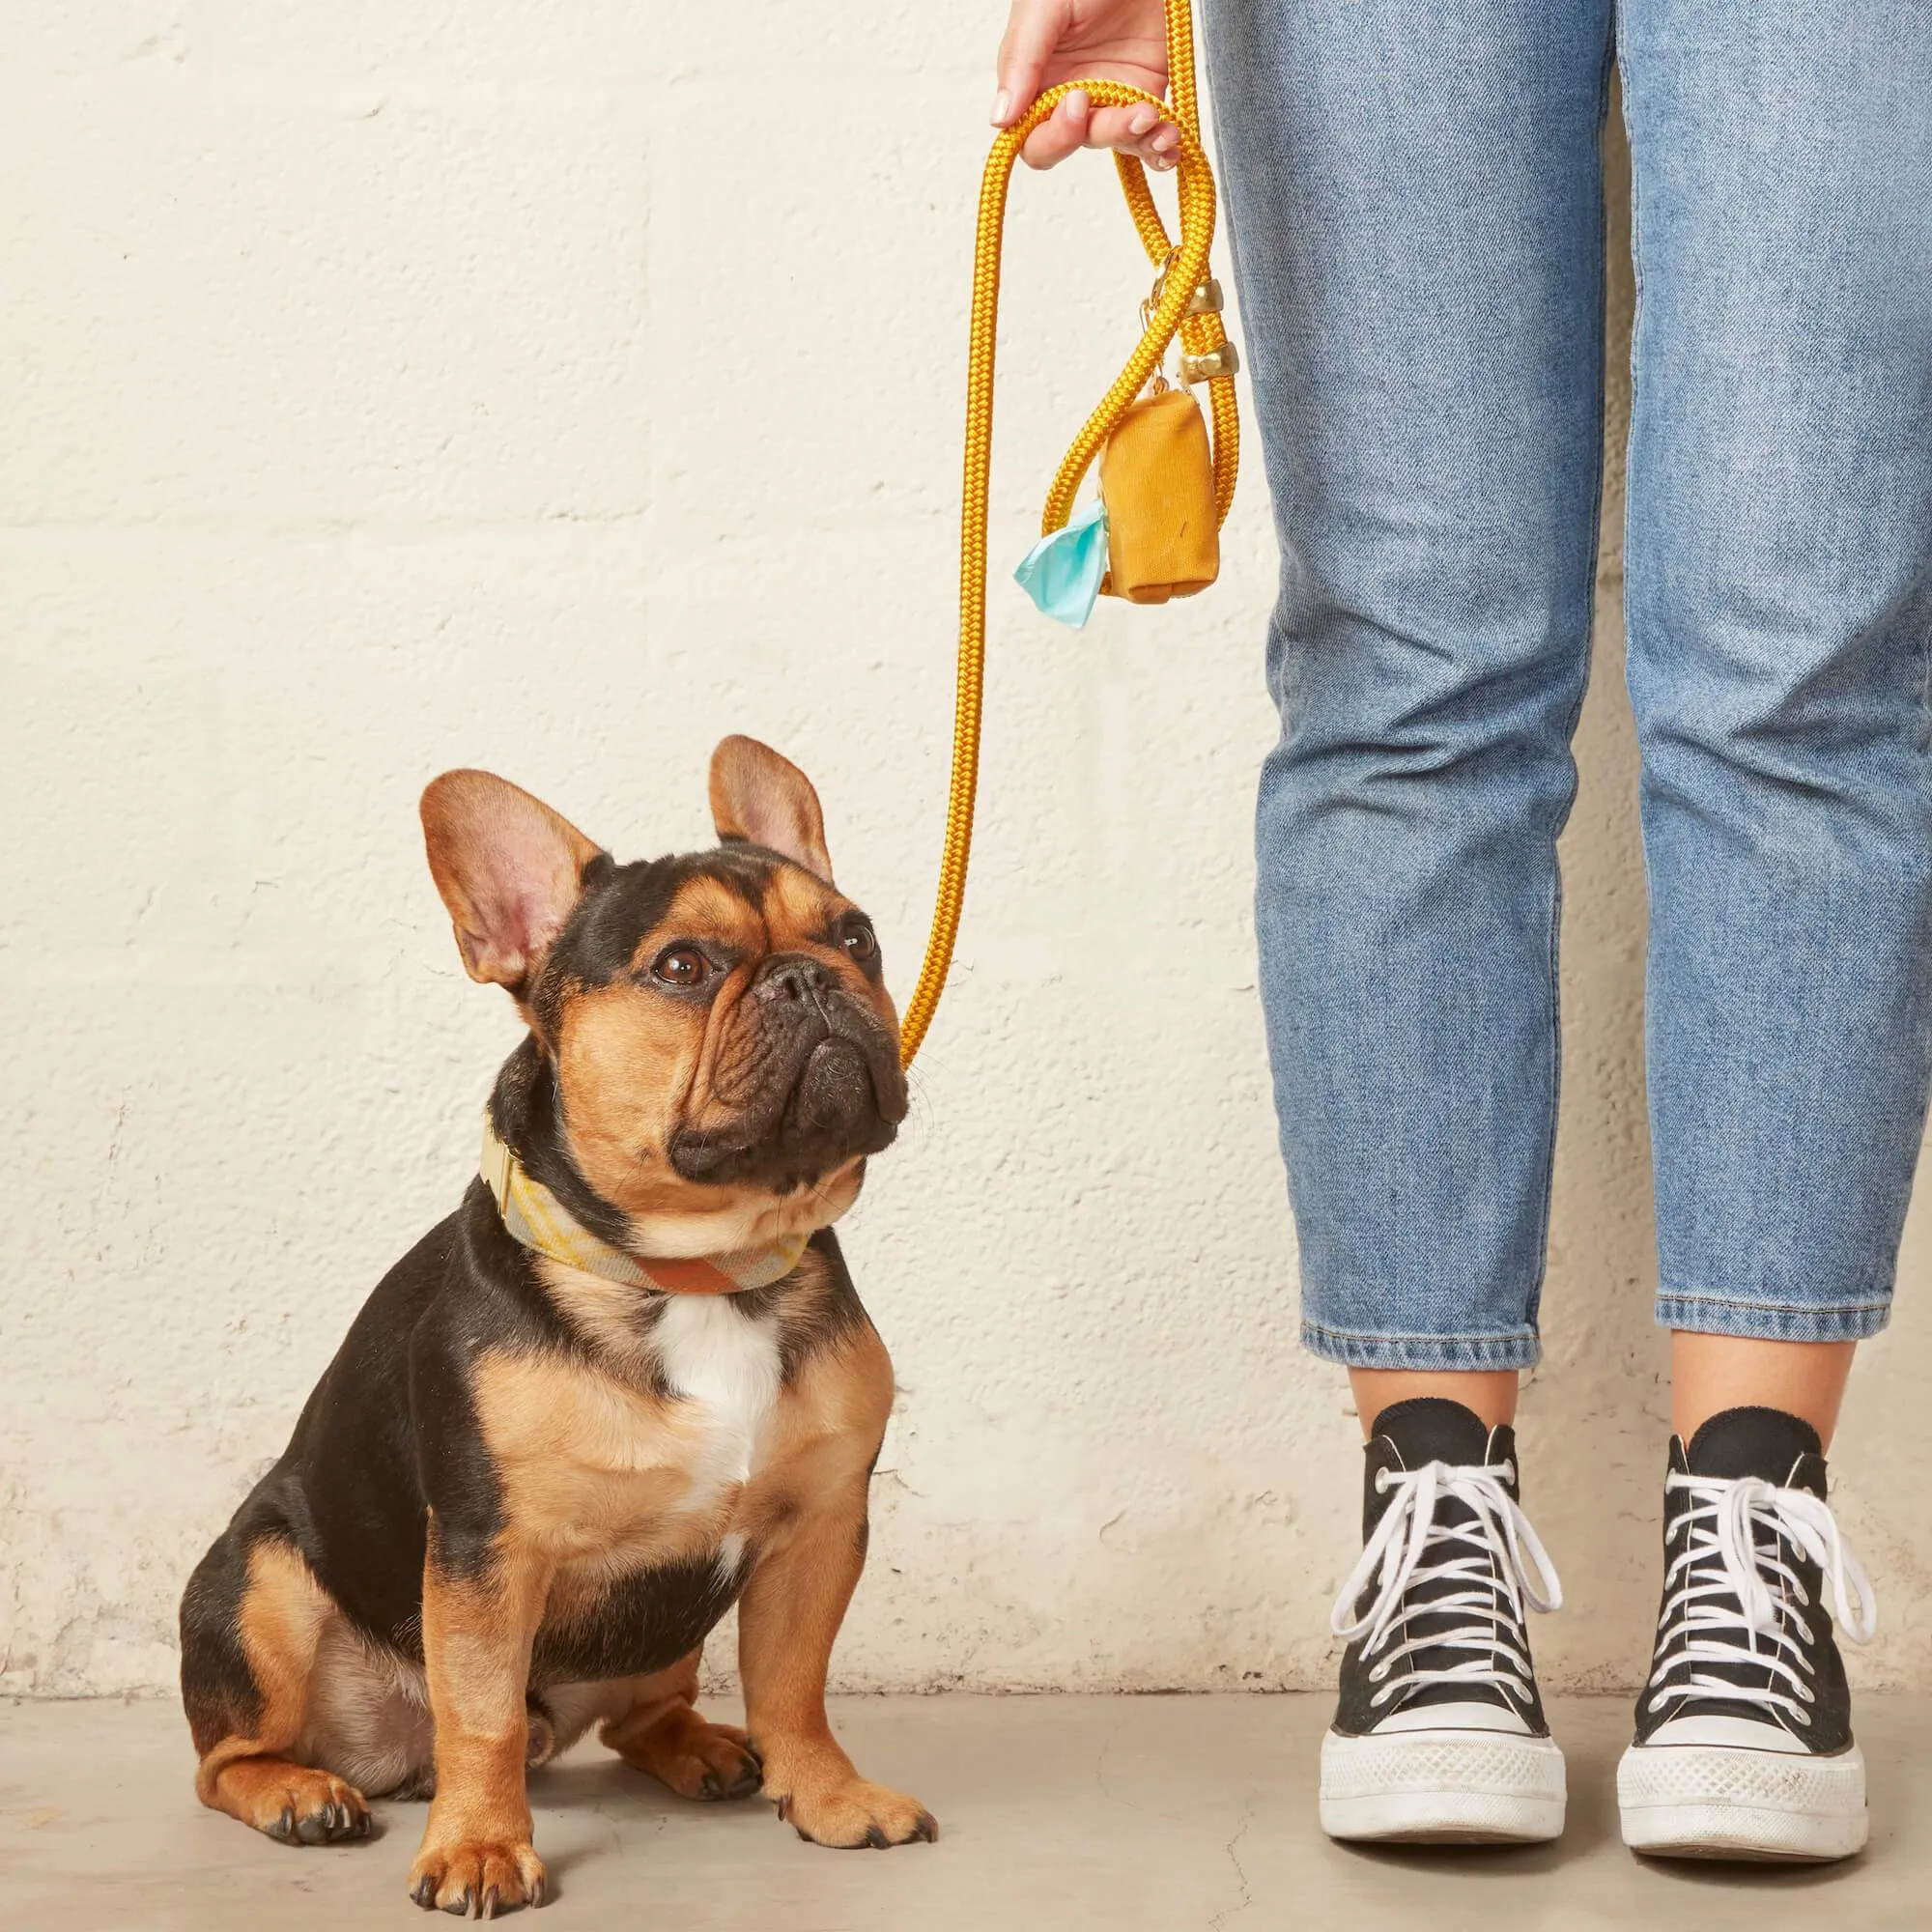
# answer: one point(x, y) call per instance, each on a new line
point(1442, 1788)
point(1718, 1801)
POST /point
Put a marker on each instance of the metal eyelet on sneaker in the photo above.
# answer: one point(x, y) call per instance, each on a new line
point(1381, 1482)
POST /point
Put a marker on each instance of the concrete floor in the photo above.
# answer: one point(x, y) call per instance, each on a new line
point(1057, 1813)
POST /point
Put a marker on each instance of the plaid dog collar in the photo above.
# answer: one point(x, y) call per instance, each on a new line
point(534, 1217)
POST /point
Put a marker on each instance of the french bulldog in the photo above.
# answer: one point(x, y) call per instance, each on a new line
point(624, 1386)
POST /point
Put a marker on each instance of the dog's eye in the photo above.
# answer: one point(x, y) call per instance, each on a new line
point(682, 966)
point(859, 939)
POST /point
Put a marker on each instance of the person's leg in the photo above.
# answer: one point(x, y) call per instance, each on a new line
point(1779, 608)
point(1780, 605)
point(1710, 1374)
point(1488, 1394)
point(1417, 226)
point(1416, 212)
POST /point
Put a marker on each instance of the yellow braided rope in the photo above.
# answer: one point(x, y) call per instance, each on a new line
point(1184, 269)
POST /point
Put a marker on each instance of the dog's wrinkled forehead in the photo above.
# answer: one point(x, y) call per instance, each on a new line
point(746, 900)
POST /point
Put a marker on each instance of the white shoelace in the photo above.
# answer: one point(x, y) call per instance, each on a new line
point(1485, 1555)
point(1735, 1600)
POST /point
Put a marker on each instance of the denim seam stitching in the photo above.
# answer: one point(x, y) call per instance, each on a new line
point(1926, 673)
point(1533, 1306)
point(1637, 360)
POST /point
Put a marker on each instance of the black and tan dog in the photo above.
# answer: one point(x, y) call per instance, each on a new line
point(626, 1385)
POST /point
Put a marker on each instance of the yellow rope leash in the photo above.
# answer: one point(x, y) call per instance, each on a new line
point(1175, 309)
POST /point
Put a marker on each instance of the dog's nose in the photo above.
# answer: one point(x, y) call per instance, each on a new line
point(792, 977)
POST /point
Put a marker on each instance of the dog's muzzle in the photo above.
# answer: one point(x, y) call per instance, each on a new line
point(829, 1085)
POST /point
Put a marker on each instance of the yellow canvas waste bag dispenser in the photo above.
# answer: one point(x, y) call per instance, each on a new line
point(1157, 488)
point(1168, 508)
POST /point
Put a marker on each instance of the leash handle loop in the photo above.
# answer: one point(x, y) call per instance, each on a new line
point(1184, 267)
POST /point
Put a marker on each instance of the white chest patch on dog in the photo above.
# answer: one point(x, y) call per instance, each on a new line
point(727, 1364)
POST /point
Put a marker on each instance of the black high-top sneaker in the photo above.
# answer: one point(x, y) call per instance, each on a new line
point(1744, 1733)
point(1439, 1732)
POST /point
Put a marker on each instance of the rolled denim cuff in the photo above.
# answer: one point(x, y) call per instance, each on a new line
point(1773, 1321)
point(1518, 1348)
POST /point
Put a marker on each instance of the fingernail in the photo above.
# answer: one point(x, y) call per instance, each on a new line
point(1142, 119)
point(1003, 105)
point(1167, 140)
point(1074, 106)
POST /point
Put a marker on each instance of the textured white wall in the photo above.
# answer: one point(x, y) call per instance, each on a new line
point(555, 385)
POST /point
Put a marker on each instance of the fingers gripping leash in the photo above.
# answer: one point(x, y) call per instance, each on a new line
point(1184, 304)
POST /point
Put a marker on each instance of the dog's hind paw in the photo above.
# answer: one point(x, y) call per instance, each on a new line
point(292, 1803)
point(694, 1758)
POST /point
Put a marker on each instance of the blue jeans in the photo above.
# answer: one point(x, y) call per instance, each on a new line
point(1415, 196)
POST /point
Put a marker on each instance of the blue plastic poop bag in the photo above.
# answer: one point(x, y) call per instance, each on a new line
point(1061, 572)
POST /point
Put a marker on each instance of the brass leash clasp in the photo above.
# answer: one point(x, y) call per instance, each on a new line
point(1221, 361)
point(1206, 300)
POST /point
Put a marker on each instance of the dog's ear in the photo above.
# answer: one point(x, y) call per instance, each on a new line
point(758, 796)
point(509, 870)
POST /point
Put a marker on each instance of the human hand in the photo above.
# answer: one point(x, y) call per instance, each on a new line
point(1048, 41)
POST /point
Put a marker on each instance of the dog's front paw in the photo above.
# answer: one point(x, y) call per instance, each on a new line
point(477, 1878)
point(853, 1813)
